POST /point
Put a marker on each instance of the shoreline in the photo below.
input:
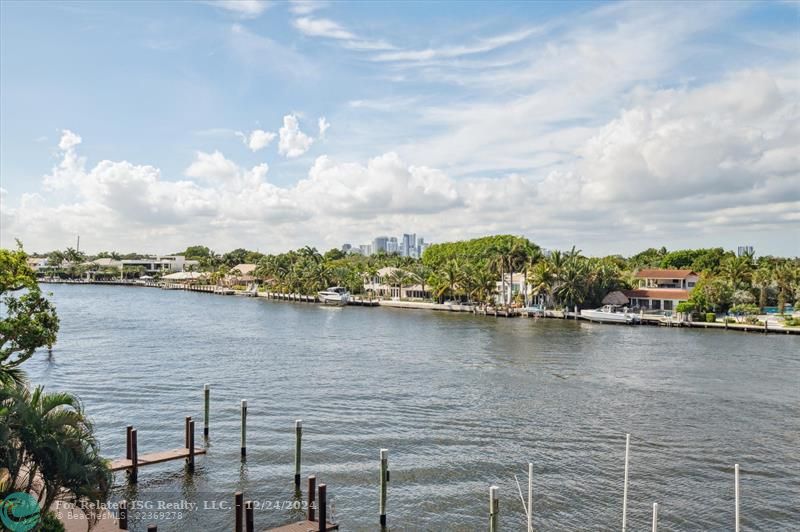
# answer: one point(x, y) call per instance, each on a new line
point(661, 321)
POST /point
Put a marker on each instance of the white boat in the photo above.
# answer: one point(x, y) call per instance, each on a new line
point(610, 314)
point(335, 295)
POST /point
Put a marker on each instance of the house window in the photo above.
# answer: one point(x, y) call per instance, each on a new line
point(690, 284)
point(667, 304)
point(656, 304)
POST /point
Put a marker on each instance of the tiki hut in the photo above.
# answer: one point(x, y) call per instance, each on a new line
point(615, 298)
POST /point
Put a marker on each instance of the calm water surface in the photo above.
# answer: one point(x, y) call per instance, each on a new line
point(461, 402)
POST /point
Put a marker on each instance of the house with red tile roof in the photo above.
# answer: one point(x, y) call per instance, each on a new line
point(661, 289)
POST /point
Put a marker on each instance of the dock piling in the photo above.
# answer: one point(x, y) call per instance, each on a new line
point(736, 494)
point(244, 428)
point(206, 403)
point(655, 517)
point(323, 508)
point(152, 528)
point(384, 482)
point(248, 517)
point(298, 429)
point(123, 515)
point(530, 497)
point(312, 492)
point(625, 484)
point(494, 509)
point(238, 503)
point(134, 472)
point(191, 446)
point(186, 431)
point(128, 441)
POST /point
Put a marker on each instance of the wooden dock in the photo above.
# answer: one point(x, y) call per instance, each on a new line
point(302, 526)
point(123, 464)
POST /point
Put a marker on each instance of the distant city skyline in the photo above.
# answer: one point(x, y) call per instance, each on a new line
point(612, 126)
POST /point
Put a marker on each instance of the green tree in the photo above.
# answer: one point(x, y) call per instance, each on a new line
point(29, 320)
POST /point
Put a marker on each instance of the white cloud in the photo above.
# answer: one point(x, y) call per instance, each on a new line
point(68, 140)
point(323, 125)
point(321, 27)
point(481, 46)
point(243, 8)
point(305, 7)
point(212, 166)
point(258, 139)
point(293, 142)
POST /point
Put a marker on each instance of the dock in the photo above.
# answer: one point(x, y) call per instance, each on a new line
point(123, 464)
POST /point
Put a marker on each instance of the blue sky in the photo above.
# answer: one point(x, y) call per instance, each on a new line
point(612, 126)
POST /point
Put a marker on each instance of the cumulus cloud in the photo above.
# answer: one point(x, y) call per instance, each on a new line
point(258, 139)
point(68, 140)
point(323, 125)
point(304, 7)
point(293, 142)
point(709, 162)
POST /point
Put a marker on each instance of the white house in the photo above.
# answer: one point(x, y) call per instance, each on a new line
point(381, 286)
point(661, 289)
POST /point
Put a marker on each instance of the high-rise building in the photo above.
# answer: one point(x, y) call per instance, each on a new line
point(346, 248)
point(391, 245)
point(366, 249)
point(744, 250)
point(379, 244)
point(408, 248)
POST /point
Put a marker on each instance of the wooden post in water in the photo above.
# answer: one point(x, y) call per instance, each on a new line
point(238, 503)
point(206, 405)
point(736, 494)
point(494, 509)
point(625, 484)
point(655, 517)
point(323, 507)
point(530, 497)
point(123, 515)
point(134, 474)
point(128, 441)
point(186, 431)
point(191, 446)
point(312, 492)
point(298, 430)
point(248, 517)
point(152, 528)
point(384, 482)
point(244, 428)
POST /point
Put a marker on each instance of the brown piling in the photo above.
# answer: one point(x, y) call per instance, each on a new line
point(238, 499)
point(323, 508)
point(123, 515)
point(186, 431)
point(128, 441)
point(191, 445)
point(248, 519)
point(134, 473)
point(312, 491)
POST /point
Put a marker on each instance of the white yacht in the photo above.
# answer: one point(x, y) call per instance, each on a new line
point(335, 295)
point(610, 314)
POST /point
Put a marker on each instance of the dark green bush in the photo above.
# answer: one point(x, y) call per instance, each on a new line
point(711, 317)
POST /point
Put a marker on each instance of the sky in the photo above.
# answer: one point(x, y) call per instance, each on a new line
point(613, 127)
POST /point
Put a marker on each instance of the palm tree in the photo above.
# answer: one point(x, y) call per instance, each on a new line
point(761, 279)
point(484, 284)
point(47, 437)
point(420, 274)
point(738, 270)
point(543, 279)
point(572, 287)
point(399, 278)
point(785, 277)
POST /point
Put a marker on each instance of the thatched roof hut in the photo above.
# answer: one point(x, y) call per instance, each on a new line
point(615, 298)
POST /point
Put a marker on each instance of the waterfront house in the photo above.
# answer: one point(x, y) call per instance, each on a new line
point(241, 274)
point(661, 289)
point(36, 263)
point(513, 284)
point(381, 286)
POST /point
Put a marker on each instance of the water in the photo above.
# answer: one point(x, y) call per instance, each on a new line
point(461, 402)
